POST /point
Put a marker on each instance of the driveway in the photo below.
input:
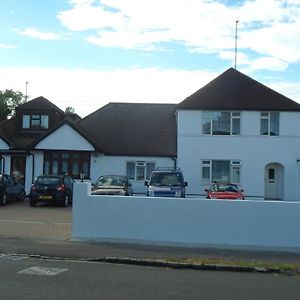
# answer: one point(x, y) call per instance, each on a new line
point(18, 219)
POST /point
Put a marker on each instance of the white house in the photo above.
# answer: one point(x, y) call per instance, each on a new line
point(237, 130)
point(233, 129)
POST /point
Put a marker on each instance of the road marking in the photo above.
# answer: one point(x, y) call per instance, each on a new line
point(43, 271)
point(12, 257)
point(33, 222)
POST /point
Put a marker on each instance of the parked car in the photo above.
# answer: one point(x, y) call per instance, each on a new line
point(225, 191)
point(53, 189)
point(10, 189)
point(112, 185)
point(166, 182)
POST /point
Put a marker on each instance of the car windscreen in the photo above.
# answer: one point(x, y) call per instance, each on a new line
point(166, 179)
point(48, 180)
point(110, 181)
point(226, 188)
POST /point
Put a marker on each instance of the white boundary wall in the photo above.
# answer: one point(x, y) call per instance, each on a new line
point(187, 221)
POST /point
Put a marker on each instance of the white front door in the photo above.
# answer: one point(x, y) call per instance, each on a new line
point(273, 182)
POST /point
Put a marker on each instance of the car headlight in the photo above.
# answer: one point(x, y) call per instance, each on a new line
point(178, 194)
point(151, 193)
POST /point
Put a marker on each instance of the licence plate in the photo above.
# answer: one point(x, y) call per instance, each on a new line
point(45, 197)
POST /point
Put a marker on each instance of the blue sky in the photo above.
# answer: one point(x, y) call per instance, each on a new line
point(85, 53)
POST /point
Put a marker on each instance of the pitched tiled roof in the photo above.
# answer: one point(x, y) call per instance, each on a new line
point(18, 140)
point(134, 129)
point(5, 137)
point(39, 103)
point(233, 90)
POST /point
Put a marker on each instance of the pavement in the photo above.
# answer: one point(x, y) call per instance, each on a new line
point(37, 235)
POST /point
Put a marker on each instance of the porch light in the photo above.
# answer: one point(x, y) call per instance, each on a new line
point(81, 176)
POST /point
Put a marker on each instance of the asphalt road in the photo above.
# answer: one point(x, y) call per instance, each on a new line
point(46, 230)
point(26, 278)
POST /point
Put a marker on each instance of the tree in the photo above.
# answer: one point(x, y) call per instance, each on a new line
point(70, 110)
point(9, 101)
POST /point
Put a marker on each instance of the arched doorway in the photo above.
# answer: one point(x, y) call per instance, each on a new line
point(274, 181)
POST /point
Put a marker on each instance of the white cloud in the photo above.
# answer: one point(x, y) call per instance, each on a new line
point(35, 33)
point(288, 89)
point(88, 90)
point(6, 46)
point(266, 63)
point(267, 27)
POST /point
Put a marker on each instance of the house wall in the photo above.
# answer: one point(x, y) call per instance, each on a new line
point(34, 167)
point(6, 164)
point(3, 145)
point(192, 221)
point(109, 165)
point(65, 138)
point(254, 152)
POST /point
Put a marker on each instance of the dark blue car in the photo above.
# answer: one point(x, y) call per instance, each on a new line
point(10, 189)
point(52, 189)
point(166, 182)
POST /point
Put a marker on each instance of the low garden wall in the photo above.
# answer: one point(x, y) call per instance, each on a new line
point(189, 221)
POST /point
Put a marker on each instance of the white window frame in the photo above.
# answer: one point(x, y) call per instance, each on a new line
point(139, 165)
point(42, 121)
point(268, 116)
point(235, 165)
point(234, 115)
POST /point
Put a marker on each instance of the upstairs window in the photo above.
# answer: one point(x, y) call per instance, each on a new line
point(269, 123)
point(221, 123)
point(35, 122)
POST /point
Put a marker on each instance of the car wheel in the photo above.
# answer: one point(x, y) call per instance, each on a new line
point(22, 196)
point(3, 199)
point(32, 203)
point(66, 200)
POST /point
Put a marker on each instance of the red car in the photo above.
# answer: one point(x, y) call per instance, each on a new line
point(225, 191)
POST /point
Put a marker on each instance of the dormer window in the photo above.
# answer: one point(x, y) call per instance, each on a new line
point(35, 122)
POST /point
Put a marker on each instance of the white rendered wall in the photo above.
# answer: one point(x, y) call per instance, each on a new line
point(187, 221)
point(34, 167)
point(3, 144)
point(110, 165)
point(7, 163)
point(254, 152)
point(65, 138)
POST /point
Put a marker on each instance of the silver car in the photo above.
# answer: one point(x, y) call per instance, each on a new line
point(112, 185)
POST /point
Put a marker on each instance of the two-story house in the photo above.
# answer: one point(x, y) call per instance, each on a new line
point(237, 130)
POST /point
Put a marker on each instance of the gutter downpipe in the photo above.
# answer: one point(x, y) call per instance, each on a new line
point(3, 164)
point(175, 162)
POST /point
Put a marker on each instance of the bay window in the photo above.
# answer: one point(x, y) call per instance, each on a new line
point(220, 171)
point(72, 163)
